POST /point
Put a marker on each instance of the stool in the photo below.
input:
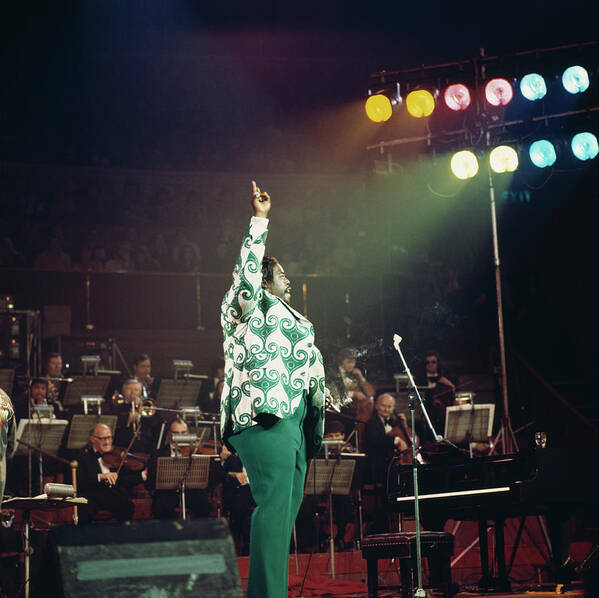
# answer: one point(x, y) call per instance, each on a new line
point(402, 546)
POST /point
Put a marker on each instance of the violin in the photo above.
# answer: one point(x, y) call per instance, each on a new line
point(401, 430)
point(118, 458)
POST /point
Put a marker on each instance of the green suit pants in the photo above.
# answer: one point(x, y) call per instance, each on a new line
point(275, 461)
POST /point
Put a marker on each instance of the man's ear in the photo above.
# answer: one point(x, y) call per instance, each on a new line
point(265, 285)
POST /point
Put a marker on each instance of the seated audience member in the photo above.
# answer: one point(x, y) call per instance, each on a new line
point(237, 497)
point(165, 502)
point(99, 482)
point(131, 421)
point(53, 258)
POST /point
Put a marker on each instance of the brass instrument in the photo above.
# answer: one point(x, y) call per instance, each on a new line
point(148, 408)
point(118, 398)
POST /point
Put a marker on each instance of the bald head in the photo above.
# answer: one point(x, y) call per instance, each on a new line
point(100, 437)
point(385, 404)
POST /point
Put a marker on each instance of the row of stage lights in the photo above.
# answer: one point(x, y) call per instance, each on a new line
point(498, 92)
point(542, 153)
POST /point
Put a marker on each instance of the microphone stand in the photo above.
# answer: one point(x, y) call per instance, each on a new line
point(413, 395)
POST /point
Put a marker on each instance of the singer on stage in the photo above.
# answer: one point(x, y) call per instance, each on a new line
point(272, 405)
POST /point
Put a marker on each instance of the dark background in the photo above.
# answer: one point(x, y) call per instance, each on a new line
point(269, 88)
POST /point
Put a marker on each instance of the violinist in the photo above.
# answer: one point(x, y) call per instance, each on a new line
point(381, 442)
point(165, 502)
point(103, 480)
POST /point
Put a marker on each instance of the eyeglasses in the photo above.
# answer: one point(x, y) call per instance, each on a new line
point(431, 361)
point(103, 437)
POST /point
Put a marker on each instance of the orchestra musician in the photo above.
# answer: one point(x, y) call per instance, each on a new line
point(384, 435)
point(142, 371)
point(7, 437)
point(351, 391)
point(439, 393)
point(237, 498)
point(133, 420)
point(209, 397)
point(165, 502)
point(53, 369)
point(103, 479)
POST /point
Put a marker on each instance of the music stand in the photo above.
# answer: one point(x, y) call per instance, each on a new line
point(85, 385)
point(35, 503)
point(45, 434)
point(178, 473)
point(469, 423)
point(82, 424)
point(7, 379)
point(173, 394)
point(330, 476)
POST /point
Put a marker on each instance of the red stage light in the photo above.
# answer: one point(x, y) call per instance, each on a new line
point(457, 97)
point(498, 92)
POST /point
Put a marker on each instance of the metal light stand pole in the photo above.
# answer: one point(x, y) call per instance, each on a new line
point(420, 593)
point(506, 434)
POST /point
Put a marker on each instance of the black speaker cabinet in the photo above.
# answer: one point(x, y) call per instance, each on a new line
point(148, 559)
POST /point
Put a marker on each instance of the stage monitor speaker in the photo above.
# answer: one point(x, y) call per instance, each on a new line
point(148, 559)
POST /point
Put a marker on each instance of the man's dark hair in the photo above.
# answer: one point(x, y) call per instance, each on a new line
point(268, 267)
point(50, 356)
point(432, 353)
point(345, 353)
point(140, 358)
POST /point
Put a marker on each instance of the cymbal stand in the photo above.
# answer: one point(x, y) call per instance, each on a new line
point(413, 395)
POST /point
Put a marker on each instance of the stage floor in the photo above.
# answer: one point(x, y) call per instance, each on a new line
point(577, 593)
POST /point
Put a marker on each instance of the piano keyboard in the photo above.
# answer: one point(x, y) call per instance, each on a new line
point(454, 494)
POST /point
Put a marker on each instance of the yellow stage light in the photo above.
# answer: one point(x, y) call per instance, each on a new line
point(420, 103)
point(378, 108)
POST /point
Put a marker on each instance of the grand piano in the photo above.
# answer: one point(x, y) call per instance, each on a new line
point(550, 482)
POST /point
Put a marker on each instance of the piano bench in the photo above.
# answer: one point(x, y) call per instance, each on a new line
point(402, 546)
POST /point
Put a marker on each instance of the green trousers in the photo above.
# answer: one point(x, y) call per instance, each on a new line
point(275, 461)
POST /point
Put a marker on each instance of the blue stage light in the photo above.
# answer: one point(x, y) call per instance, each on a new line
point(585, 146)
point(575, 79)
point(542, 153)
point(533, 87)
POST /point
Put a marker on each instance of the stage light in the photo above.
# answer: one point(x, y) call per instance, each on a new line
point(575, 79)
point(542, 153)
point(585, 146)
point(464, 165)
point(503, 159)
point(378, 108)
point(533, 87)
point(498, 92)
point(457, 97)
point(420, 103)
